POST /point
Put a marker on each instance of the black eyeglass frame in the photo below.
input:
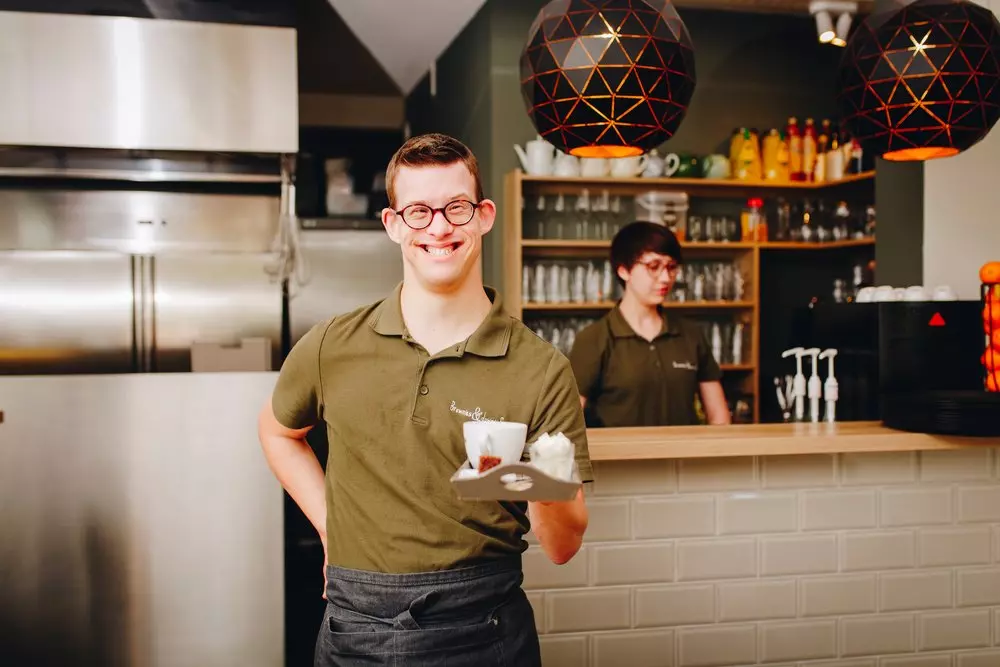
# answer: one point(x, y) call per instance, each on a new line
point(442, 210)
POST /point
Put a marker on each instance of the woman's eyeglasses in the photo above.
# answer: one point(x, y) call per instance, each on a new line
point(655, 267)
point(419, 216)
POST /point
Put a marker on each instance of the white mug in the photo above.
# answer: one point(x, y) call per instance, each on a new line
point(884, 293)
point(916, 293)
point(503, 439)
point(594, 167)
point(944, 293)
point(628, 167)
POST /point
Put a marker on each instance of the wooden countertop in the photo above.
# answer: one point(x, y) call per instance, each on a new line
point(683, 442)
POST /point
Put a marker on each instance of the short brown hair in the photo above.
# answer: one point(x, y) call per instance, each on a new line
point(431, 149)
point(636, 239)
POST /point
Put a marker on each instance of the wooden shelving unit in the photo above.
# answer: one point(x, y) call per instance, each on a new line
point(746, 254)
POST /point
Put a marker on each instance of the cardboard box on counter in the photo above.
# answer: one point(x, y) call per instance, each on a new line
point(250, 354)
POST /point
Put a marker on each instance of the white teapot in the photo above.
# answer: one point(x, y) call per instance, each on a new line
point(538, 157)
point(655, 165)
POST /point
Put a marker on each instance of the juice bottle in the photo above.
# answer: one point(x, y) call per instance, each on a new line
point(784, 157)
point(770, 149)
point(794, 150)
point(809, 150)
point(746, 159)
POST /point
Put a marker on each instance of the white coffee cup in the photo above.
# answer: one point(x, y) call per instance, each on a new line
point(503, 439)
point(916, 293)
point(944, 293)
point(884, 293)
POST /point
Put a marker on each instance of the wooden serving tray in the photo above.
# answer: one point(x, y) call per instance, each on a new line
point(515, 481)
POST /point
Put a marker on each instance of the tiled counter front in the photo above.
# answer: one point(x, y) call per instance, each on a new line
point(847, 560)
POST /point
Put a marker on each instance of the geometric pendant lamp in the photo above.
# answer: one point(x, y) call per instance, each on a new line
point(607, 78)
point(923, 81)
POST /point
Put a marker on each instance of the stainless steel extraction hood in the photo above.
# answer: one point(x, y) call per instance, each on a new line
point(98, 82)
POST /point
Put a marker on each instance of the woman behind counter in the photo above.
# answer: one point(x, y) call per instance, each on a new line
point(636, 366)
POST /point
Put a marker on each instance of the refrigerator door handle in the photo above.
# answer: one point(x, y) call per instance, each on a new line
point(150, 300)
point(138, 354)
point(144, 313)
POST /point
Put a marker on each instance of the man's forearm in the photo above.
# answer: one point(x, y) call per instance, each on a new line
point(299, 472)
point(559, 527)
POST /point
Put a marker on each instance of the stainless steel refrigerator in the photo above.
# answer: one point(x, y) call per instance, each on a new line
point(120, 281)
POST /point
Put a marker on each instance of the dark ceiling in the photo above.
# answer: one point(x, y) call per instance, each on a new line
point(331, 59)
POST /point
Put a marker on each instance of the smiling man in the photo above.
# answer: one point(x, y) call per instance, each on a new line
point(416, 576)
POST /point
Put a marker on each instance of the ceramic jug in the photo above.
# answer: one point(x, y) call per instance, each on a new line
point(716, 166)
point(538, 156)
point(566, 165)
point(655, 165)
point(671, 163)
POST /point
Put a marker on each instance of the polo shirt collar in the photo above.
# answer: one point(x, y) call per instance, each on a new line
point(491, 339)
point(622, 329)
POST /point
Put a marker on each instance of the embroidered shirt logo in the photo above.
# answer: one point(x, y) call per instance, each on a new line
point(476, 414)
point(685, 365)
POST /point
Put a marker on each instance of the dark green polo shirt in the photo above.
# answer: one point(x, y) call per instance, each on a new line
point(629, 381)
point(394, 419)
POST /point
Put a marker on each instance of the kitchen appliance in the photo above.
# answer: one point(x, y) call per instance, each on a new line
point(120, 281)
point(145, 184)
point(347, 264)
point(902, 362)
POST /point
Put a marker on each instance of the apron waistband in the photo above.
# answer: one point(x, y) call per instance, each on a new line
point(418, 579)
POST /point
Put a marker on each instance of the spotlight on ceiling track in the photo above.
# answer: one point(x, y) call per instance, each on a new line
point(824, 10)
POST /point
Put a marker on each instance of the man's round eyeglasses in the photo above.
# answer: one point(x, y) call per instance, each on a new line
point(419, 216)
point(655, 267)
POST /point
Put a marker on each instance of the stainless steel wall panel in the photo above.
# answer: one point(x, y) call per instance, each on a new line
point(126, 83)
point(141, 525)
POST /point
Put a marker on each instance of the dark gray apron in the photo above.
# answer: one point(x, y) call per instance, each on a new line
point(467, 617)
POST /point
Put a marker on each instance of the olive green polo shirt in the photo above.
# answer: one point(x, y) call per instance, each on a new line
point(394, 419)
point(629, 381)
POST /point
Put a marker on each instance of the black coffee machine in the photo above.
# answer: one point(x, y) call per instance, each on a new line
point(913, 365)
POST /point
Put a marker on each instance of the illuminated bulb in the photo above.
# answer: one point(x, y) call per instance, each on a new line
point(824, 27)
point(843, 28)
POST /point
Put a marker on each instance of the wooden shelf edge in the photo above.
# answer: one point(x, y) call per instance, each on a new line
point(829, 245)
point(560, 244)
point(722, 184)
point(603, 305)
point(680, 442)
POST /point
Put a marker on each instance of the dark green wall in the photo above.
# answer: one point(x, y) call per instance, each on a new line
point(899, 195)
point(753, 70)
point(461, 108)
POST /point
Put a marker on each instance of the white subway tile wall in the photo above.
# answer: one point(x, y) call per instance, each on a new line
point(850, 560)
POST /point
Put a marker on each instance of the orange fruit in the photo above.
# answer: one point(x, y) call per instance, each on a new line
point(993, 381)
point(996, 341)
point(991, 359)
point(990, 273)
point(991, 313)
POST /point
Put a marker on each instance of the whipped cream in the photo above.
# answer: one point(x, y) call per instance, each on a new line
point(553, 455)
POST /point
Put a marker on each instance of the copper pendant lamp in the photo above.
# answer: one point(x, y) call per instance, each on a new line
point(607, 78)
point(922, 81)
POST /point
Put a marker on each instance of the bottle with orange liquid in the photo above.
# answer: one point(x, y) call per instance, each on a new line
point(809, 150)
point(794, 135)
point(989, 275)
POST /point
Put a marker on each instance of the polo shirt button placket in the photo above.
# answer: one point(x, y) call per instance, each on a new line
point(423, 390)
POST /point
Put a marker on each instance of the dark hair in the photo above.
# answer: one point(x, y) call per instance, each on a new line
point(427, 150)
point(636, 239)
